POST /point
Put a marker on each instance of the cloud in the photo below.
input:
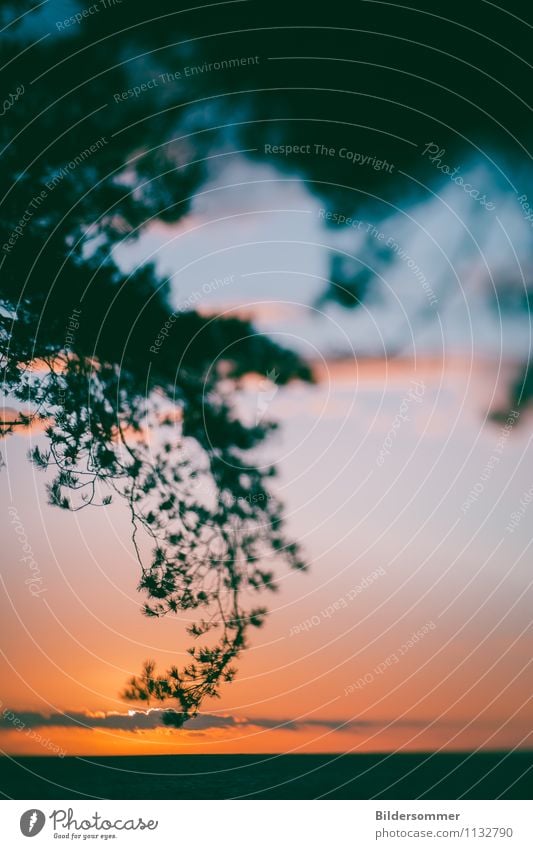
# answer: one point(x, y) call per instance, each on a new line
point(130, 721)
point(10, 418)
point(157, 718)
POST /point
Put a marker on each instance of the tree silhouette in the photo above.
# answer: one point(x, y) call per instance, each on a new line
point(156, 428)
point(109, 134)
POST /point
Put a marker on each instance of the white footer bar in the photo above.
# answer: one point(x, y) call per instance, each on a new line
point(268, 824)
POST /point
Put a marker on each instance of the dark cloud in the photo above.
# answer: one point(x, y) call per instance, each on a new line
point(157, 718)
point(130, 721)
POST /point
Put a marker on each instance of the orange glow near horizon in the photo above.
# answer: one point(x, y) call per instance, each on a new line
point(334, 684)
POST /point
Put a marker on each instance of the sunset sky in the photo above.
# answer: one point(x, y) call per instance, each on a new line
point(432, 561)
